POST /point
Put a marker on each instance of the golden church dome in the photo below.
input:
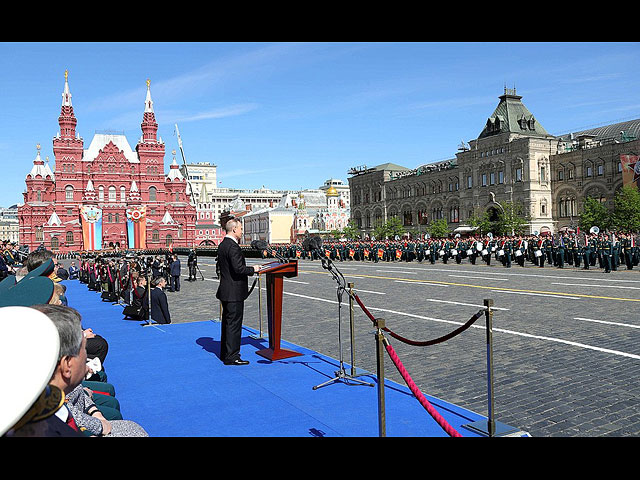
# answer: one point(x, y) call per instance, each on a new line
point(332, 192)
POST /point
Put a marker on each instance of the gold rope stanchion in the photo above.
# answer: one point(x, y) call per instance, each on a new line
point(259, 336)
point(382, 424)
point(351, 327)
point(490, 427)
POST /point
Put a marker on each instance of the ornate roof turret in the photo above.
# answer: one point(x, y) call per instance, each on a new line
point(167, 219)
point(39, 167)
point(149, 124)
point(134, 193)
point(67, 120)
point(511, 116)
point(89, 194)
point(47, 169)
point(54, 219)
point(174, 170)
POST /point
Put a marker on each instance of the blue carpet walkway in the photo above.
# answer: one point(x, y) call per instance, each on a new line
point(169, 379)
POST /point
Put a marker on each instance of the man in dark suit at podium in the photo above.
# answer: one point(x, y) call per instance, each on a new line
point(232, 292)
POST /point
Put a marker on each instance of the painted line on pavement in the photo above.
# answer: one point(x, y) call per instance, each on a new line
point(483, 327)
point(557, 294)
point(607, 322)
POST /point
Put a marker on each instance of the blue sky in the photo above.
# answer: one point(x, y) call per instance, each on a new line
point(291, 115)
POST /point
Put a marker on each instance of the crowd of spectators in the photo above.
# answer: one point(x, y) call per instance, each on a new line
point(65, 391)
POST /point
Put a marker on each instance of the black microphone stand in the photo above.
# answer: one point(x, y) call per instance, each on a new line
point(340, 374)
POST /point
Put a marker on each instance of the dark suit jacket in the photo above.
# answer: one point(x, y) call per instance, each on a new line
point(234, 273)
point(159, 306)
point(175, 268)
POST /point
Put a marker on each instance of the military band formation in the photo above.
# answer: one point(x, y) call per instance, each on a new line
point(607, 251)
point(128, 277)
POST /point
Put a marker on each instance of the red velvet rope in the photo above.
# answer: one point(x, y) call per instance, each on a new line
point(452, 432)
point(426, 343)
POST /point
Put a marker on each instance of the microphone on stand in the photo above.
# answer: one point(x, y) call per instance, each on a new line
point(263, 245)
point(314, 244)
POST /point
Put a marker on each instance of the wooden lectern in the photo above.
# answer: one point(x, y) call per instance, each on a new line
point(275, 271)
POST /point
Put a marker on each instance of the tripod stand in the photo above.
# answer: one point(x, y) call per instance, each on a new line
point(340, 374)
point(201, 275)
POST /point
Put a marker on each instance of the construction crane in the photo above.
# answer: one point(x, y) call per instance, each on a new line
point(184, 161)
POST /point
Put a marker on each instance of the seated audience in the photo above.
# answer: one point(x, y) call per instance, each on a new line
point(80, 410)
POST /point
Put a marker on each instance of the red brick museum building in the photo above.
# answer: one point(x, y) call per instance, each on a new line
point(108, 177)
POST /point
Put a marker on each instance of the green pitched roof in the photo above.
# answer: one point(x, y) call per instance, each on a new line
point(511, 116)
point(390, 166)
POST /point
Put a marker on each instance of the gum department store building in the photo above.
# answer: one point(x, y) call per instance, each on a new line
point(110, 176)
point(513, 159)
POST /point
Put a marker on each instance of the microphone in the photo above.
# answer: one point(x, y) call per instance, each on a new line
point(310, 244)
point(314, 244)
point(263, 245)
point(259, 244)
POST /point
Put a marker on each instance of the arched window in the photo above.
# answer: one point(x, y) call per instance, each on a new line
point(69, 238)
point(153, 192)
point(155, 236)
point(122, 195)
point(54, 242)
point(39, 234)
point(169, 240)
point(112, 194)
point(68, 193)
point(101, 193)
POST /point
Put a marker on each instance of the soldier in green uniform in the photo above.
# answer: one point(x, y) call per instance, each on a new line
point(575, 251)
point(490, 246)
point(586, 253)
point(420, 250)
point(446, 247)
point(431, 250)
point(605, 248)
point(615, 253)
point(609, 252)
point(508, 252)
point(560, 253)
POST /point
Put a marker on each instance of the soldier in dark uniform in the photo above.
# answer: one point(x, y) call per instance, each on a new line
point(431, 251)
point(560, 253)
point(586, 253)
point(508, 251)
point(420, 251)
point(615, 253)
point(606, 251)
point(192, 263)
point(576, 251)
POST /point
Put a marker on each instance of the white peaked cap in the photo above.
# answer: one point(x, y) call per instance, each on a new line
point(29, 347)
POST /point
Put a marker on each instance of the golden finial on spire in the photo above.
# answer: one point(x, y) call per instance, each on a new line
point(66, 75)
point(38, 147)
point(148, 82)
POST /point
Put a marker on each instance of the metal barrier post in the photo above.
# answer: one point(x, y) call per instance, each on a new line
point(491, 427)
point(382, 427)
point(259, 336)
point(260, 302)
point(491, 423)
point(351, 328)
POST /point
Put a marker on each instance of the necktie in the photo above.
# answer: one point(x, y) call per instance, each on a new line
point(70, 421)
